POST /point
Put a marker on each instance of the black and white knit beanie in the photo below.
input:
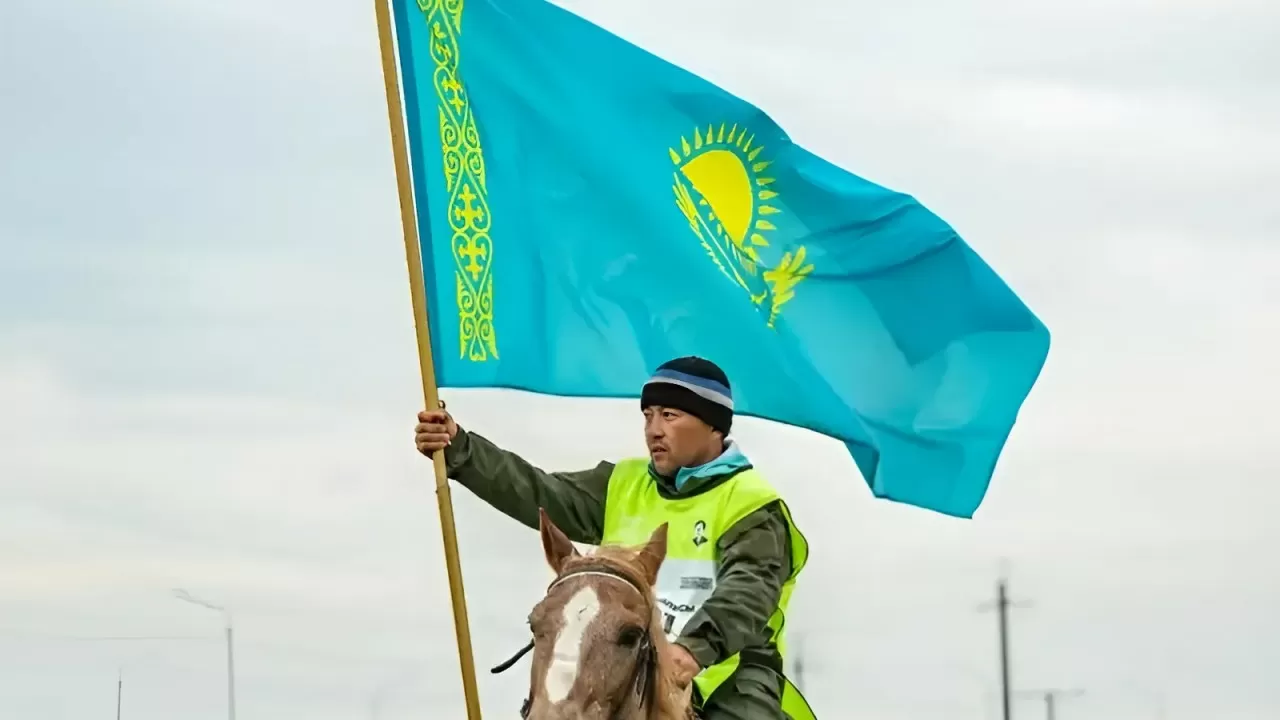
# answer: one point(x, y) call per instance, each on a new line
point(696, 386)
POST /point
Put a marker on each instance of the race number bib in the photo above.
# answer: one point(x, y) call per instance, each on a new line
point(683, 586)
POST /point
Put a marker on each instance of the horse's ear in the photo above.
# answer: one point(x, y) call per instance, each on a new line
point(653, 553)
point(555, 544)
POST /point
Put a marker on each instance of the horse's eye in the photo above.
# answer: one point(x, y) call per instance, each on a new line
point(630, 636)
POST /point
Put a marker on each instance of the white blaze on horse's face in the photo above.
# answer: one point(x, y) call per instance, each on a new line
point(566, 656)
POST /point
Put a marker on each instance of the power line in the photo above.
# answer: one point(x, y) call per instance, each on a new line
point(25, 635)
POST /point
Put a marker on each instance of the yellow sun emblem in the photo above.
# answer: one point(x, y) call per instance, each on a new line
point(722, 192)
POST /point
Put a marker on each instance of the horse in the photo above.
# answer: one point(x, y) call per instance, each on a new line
point(599, 652)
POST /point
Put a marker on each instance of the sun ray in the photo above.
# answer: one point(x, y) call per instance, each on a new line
point(725, 197)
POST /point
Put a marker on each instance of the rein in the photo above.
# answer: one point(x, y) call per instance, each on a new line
point(646, 654)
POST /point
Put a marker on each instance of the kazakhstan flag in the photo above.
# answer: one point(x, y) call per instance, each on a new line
point(589, 211)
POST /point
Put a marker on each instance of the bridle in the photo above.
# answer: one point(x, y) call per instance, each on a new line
point(642, 676)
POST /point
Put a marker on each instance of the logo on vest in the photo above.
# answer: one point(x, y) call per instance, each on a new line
point(699, 533)
point(696, 583)
point(677, 607)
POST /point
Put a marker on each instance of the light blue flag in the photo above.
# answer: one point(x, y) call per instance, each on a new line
point(589, 211)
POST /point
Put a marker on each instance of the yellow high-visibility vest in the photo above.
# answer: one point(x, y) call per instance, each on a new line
point(634, 509)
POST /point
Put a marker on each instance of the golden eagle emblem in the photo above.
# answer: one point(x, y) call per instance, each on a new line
point(722, 191)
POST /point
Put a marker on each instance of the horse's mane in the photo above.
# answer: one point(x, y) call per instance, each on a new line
point(668, 701)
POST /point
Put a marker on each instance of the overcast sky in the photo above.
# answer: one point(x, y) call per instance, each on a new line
point(208, 374)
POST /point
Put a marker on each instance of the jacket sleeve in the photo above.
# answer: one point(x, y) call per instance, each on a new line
point(755, 561)
point(573, 500)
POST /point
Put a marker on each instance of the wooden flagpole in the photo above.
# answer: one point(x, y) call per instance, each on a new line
point(409, 223)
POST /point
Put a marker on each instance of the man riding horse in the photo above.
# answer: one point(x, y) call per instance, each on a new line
point(733, 552)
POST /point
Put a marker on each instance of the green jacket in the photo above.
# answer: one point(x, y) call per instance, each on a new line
point(755, 555)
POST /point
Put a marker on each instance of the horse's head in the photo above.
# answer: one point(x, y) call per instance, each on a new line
point(599, 652)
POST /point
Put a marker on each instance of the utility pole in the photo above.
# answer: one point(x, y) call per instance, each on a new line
point(231, 674)
point(1002, 605)
point(1051, 697)
point(799, 665)
point(119, 692)
point(231, 665)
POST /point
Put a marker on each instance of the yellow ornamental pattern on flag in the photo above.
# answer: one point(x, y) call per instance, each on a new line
point(464, 172)
point(722, 190)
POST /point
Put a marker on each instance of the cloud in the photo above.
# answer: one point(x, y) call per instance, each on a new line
point(207, 364)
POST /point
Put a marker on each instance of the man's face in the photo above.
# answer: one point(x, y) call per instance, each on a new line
point(677, 439)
